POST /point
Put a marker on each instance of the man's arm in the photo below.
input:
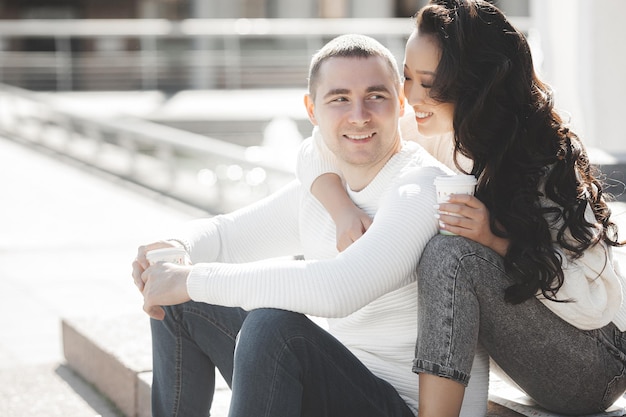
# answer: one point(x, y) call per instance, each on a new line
point(383, 260)
point(265, 229)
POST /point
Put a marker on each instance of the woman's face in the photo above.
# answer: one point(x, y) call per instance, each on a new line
point(420, 65)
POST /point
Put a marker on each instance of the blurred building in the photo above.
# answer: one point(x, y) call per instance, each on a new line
point(185, 9)
point(64, 44)
point(173, 45)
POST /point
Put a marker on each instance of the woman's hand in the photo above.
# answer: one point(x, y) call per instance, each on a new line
point(352, 223)
point(467, 216)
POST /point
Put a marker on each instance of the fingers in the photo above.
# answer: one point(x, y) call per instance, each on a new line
point(344, 241)
point(366, 221)
point(137, 272)
point(465, 215)
point(458, 216)
point(141, 263)
point(454, 224)
point(342, 244)
point(465, 199)
point(465, 206)
point(141, 255)
point(144, 249)
point(347, 239)
point(156, 312)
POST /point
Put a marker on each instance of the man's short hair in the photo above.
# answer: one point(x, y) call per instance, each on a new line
point(349, 46)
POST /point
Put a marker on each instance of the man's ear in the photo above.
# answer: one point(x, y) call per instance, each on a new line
point(310, 108)
point(402, 101)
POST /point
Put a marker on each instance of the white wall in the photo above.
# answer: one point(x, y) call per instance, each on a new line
point(583, 49)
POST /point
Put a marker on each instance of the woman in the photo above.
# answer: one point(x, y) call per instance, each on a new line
point(530, 275)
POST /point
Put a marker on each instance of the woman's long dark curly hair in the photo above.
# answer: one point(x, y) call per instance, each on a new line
point(505, 121)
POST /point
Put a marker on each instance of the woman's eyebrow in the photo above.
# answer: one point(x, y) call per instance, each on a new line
point(424, 72)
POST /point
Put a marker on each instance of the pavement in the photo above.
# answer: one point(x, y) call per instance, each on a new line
point(68, 236)
point(66, 244)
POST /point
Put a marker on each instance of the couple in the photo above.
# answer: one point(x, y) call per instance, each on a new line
point(530, 276)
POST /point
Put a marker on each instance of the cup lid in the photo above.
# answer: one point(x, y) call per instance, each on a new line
point(455, 179)
point(164, 252)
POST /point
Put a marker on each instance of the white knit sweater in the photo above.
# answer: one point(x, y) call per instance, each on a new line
point(315, 158)
point(368, 291)
point(593, 282)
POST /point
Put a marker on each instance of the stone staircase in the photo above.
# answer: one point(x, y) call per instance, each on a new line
point(114, 355)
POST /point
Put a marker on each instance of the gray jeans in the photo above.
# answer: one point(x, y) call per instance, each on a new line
point(461, 302)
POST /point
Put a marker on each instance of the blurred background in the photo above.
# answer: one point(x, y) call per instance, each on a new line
point(183, 108)
point(201, 99)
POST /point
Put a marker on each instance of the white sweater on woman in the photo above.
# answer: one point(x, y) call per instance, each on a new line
point(593, 283)
point(368, 292)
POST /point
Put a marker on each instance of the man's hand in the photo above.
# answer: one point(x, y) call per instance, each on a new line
point(164, 284)
point(471, 221)
point(140, 264)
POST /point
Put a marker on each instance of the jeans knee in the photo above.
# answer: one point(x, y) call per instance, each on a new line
point(270, 328)
point(442, 250)
point(444, 246)
point(266, 338)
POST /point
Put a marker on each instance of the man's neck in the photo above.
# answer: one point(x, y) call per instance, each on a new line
point(358, 177)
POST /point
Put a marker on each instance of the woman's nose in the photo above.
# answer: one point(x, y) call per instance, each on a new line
point(416, 94)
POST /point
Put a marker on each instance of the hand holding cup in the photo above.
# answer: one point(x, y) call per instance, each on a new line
point(447, 185)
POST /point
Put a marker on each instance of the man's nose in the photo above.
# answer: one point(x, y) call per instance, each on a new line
point(359, 114)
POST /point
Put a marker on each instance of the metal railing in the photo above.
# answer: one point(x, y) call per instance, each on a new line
point(175, 55)
point(204, 172)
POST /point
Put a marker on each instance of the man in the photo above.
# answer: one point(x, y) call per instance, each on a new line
point(284, 364)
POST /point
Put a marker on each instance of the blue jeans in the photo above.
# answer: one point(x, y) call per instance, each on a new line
point(461, 301)
point(278, 363)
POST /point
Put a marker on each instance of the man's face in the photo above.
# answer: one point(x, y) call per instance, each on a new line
point(357, 107)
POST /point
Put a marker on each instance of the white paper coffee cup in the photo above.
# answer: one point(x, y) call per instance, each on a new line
point(447, 185)
point(173, 255)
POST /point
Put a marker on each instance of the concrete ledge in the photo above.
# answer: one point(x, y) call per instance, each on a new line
point(506, 400)
point(144, 387)
point(115, 355)
point(110, 354)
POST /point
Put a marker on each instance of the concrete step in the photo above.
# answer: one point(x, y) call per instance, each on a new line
point(115, 355)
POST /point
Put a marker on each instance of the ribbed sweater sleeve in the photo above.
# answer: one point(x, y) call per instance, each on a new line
point(265, 229)
point(383, 260)
point(592, 284)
